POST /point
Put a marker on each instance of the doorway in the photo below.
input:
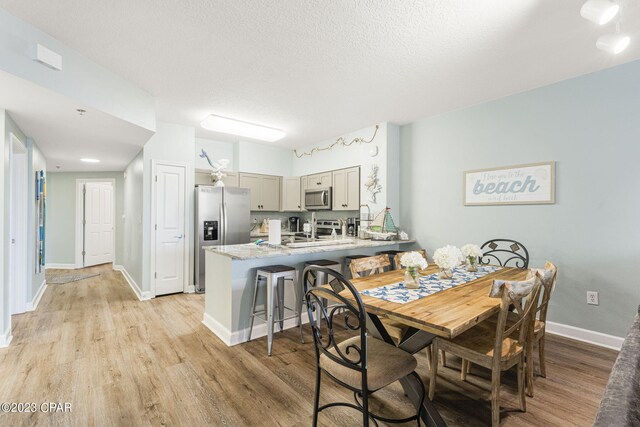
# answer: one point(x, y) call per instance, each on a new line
point(95, 222)
point(18, 246)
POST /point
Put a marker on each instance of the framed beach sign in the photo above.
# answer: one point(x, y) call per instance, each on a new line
point(528, 184)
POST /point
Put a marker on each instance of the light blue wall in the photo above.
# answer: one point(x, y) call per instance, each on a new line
point(60, 236)
point(216, 150)
point(5, 316)
point(132, 247)
point(589, 125)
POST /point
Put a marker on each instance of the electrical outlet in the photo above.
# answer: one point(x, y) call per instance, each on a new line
point(592, 298)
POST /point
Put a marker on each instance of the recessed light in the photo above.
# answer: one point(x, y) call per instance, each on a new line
point(599, 11)
point(81, 111)
point(613, 43)
point(90, 160)
point(240, 128)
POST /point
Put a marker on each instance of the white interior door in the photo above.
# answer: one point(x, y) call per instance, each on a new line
point(99, 224)
point(170, 243)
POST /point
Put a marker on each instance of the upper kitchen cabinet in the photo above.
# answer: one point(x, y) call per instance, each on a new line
point(319, 180)
point(291, 194)
point(203, 177)
point(265, 191)
point(232, 179)
point(346, 189)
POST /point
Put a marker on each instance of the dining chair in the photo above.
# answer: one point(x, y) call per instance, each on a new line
point(498, 346)
point(363, 267)
point(367, 266)
point(361, 363)
point(396, 258)
point(548, 276)
point(502, 252)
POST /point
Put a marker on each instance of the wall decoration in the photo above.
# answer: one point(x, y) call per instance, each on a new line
point(340, 141)
point(528, 184)
point(218, 168)
point(41, 196)
point(372, 184)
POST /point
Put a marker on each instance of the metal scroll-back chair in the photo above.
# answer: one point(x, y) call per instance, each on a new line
point(502, 252)
point(362, 363)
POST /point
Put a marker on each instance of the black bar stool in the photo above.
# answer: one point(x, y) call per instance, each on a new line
point(275, 276)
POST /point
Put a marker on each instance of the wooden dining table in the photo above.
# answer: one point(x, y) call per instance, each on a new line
point(446, 314)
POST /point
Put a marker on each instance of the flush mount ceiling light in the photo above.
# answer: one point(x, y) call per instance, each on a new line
point(90, 160)
point(240, 128)
point(599, 11)
point(613, 43)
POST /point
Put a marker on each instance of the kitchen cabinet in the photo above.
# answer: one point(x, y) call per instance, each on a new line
point(203, 177)
point(304, 184)
point(291, 194)
point(319, 180)
point(265, 191)
point(346, 189)
point(232, 179)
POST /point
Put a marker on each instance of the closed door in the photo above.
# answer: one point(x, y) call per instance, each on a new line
point(291, 194)
point(353, 189)
point(170, 243)
point(303, 186)
point(270, 193)
point(99, 226)
point(320, 180)
point(253, 183)
point(340, 190)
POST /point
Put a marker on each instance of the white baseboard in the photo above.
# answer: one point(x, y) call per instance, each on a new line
point(6, 337)
point(190, 289)
point(239, 337)
point(61, 266)
point(142, 296)
point(585, 335)
point(33, 304)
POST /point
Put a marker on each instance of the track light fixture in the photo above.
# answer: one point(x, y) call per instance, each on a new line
point(613, 43)
point(599, 11)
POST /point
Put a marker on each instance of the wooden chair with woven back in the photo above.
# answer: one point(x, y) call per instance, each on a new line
point(363, 267)
point(396, 258)
point(498, 346)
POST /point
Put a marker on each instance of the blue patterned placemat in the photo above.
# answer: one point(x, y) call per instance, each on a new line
point(430, 284)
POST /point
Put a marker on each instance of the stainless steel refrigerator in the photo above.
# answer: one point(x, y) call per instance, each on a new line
point(222, 218)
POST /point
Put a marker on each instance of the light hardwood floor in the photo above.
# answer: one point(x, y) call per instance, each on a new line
point(120, 361)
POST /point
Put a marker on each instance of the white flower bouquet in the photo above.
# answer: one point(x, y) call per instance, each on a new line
point(447, 258)
point(472, 253)
point(413, 260)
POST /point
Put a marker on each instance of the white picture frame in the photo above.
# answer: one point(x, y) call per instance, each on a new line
point(527, 184)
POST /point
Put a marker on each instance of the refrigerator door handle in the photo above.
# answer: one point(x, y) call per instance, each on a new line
point(223, 211)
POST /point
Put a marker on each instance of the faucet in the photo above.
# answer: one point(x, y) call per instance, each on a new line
point(314, 221)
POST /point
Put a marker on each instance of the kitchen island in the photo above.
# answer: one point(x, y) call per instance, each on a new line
point(230, 275)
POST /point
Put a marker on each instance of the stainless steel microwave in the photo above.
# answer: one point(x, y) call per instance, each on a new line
point(316, 199)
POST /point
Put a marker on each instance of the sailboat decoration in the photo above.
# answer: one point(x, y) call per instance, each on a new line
point(382, 227)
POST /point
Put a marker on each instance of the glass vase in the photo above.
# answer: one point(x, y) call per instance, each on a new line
point(472, 263)
point(411, 278)
point(445, 273)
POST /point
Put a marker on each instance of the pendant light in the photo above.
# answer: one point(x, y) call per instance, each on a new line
point(599, 11)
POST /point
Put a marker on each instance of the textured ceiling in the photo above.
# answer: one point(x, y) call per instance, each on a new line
point(317, 69)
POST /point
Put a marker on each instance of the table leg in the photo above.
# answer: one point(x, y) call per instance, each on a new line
point(416, 341)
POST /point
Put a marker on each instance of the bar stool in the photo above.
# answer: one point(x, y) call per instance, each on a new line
point(319, 279)
point(347, 262)
point(276, 276)
point(391, 255)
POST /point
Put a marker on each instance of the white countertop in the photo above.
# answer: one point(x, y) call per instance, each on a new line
point(253, 251)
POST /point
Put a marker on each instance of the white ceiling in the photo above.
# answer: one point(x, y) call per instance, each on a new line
point(63, 135)
point(318, 69)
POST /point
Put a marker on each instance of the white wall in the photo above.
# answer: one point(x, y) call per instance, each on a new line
point(172, 143)
point(359, 155)
point(262, 158)
point(589, 125)
point(80, 79)
point(5, 313)
point(216, 150)
point(133, 213)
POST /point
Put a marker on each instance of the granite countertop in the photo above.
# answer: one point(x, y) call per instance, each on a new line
point(253, 251)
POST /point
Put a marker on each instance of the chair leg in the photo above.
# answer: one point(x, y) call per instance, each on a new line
point(529, 367)
point(464, 369)
point(433, 372)
point(543, 362)
point(429, 358)
point(521, 385)
point(365, 408)
point(280, 302)
point(270, 310)
point(253, 307)
point(495, 396)
point(316, 401)
point(443, 356)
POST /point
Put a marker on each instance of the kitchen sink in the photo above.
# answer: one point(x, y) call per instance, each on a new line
point(309, 243)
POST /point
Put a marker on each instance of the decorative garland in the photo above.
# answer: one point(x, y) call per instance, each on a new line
point(339, 141)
